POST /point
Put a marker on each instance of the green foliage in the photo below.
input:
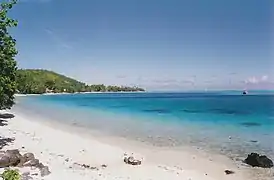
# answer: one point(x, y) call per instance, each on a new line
point(10, 175)
point(34, 81)
point(7, 54)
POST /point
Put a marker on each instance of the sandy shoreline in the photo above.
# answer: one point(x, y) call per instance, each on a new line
point(60, 149)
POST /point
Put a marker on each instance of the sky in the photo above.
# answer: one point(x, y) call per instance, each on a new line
point(155, 44)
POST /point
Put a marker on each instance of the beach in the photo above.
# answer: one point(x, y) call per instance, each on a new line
point(62, 150)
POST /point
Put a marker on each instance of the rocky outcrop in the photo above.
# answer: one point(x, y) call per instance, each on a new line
point(132, 161)
point(13, 158)
point(256, 160)
point(9, 158)
point(44, 171)
point(227, 172)
point(31, 163)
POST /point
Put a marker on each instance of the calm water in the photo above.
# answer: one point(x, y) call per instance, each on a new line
point(224, 122)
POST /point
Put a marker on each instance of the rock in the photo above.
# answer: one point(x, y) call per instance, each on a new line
point(4, 161)
point(26, 176)
point(13, 151)
point(32, 163)
point(29, 156)
point(130, 160)
point(44, 171)
point(256, 160)
point(40, 166)
point(227, 172)
point(22, 161)
point(10, 158)
point(104, 166)
point(25, 158)
point(86, 166)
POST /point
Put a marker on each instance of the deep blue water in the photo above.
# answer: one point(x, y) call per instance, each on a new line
point(226, 122)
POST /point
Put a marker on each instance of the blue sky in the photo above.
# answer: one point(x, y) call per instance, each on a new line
point(159, 45)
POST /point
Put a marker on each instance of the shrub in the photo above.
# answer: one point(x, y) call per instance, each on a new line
point(10, 175)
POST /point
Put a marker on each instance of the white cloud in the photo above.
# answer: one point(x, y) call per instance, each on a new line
point(251, 80)
point(256, 80)
point(264, 78)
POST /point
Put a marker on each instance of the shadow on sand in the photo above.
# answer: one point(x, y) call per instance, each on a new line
point(3, 122)
point(5, 141)
point(6, 116)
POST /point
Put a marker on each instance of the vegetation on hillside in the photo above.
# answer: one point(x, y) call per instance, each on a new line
point(7, 54)
point(36, 81)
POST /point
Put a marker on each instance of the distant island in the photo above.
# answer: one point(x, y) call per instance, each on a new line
point(39, 81)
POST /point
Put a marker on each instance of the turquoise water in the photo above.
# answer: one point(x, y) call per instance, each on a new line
point(225, 122)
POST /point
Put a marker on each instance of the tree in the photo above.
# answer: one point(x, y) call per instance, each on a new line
point(7, 53)
point(50, 84)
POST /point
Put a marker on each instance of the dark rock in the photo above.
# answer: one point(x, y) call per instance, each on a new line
point(94, 168)
point(227, 172)
point(40, 165)
point(22, 161)
point(130, 160)
point(29, 156)
point(103, 165)
point(4, 161)
point(25, 158)
point(13, 151)
point(44, 171)
point(10, 158)
point(32, 163)
point(256, 160)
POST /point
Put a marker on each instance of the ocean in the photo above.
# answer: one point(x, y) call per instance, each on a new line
point(224, 122)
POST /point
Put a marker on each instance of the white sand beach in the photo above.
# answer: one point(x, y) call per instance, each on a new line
point(60, 150)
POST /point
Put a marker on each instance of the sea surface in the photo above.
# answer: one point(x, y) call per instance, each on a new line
point(225, 122)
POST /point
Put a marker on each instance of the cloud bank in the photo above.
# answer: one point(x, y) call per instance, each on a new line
point(256, 80)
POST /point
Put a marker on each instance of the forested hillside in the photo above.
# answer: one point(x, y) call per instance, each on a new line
point(36, 81)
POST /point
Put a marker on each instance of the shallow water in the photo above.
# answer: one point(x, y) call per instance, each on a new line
point(224, 122)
